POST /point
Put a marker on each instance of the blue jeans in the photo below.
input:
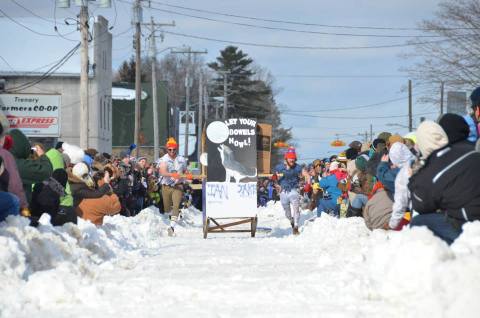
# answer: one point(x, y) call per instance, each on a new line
point(439, 225)
point(360, 201)
point(9, 205)
point(327, 206)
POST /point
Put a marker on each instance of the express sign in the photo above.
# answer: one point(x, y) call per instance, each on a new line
point(35, 115)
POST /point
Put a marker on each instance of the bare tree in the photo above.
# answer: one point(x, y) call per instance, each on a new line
point(453, 57)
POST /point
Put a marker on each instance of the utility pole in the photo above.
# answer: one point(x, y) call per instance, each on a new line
point(84, 63)
point(442, 90)
point(200, 115)
point(84, 75)
point(205, 102)
point(137, 20)
point(188, 84)
point(153, 56)
point(410, 115)
point(371, 132)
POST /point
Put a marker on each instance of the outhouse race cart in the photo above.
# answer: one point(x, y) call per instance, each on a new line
point(230, 187)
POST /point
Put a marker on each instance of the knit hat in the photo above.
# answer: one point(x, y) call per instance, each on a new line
point(455, 127)
point(378, 144)
point(291, 154)
point(351, 153)
point(80, 170)
point(342, 157)
point(395, 138)
point(334, 166)
point(172, 143)
point(361, 162)
point(384, 135)
point(399, 154)
point(61, 176)
point(475, 97)
point(356, 145)
point(75, 153)
point(59, 145)
point(430, 137)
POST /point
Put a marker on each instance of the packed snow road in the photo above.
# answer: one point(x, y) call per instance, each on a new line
point(335, 268)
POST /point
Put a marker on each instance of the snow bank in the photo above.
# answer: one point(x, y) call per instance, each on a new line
point(48, 265)
point(339, 265)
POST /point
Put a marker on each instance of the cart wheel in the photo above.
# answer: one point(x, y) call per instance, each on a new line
point(206, 224)
point(253, 227)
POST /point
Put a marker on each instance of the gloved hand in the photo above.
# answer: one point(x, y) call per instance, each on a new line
point(175, 175)
point(189, 176)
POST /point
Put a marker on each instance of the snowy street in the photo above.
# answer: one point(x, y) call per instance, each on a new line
point(335, 268)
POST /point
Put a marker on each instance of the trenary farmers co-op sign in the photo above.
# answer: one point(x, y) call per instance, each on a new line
point(34, 115)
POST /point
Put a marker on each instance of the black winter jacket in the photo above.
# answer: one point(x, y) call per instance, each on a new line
point(449, 182)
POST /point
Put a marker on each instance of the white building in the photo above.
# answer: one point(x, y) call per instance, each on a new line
point(22, 105)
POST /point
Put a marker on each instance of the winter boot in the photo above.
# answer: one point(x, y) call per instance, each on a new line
point(292, 223)
point(295, 230)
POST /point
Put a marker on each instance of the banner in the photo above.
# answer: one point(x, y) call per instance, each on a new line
point(34, 115)
point(231, 187)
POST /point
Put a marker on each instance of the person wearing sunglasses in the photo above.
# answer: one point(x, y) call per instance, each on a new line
point(171, 167)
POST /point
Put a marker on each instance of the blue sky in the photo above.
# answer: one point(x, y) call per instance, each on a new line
point(329, 88)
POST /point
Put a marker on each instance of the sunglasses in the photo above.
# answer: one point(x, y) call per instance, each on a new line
point(171, 150)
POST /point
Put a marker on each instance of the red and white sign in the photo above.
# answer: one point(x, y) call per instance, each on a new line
point(35, 115)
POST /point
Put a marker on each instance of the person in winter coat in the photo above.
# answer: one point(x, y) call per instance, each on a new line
point(331, 192)
point(401, 157)
point(288, 186)
point(14, 181)
point(474, 118)
point(66, 211)
point(9, 203)
point(446, 190)
point(378, 210)
point(95, 209)
point(83, 186)
point(31, 171)
point(46, 198)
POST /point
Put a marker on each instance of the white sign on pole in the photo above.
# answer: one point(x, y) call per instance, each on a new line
point(34, 115)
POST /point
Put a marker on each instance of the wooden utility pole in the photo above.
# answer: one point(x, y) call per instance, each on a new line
point(200, 115)
point(410, 113)
point(84, 75)
point(137, 12)
point(153, 56)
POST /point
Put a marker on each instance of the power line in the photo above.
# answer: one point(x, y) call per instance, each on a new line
point(28, 28)
point(339, 76)
point(48, 73)
point(357, 117)
point(305, 23)
point(278, 46)
point(293, 30)
point(337, 108)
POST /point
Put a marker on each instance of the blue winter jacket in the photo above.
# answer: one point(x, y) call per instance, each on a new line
point(329, 184)
point(387, 175)
point(473, 136)
point(291, 177)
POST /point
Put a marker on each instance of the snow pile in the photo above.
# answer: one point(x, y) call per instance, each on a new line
point(412, 271)
point(48, 265)
point(334, 268)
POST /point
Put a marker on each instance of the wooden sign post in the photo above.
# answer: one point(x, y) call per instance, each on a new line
point(230, 190)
